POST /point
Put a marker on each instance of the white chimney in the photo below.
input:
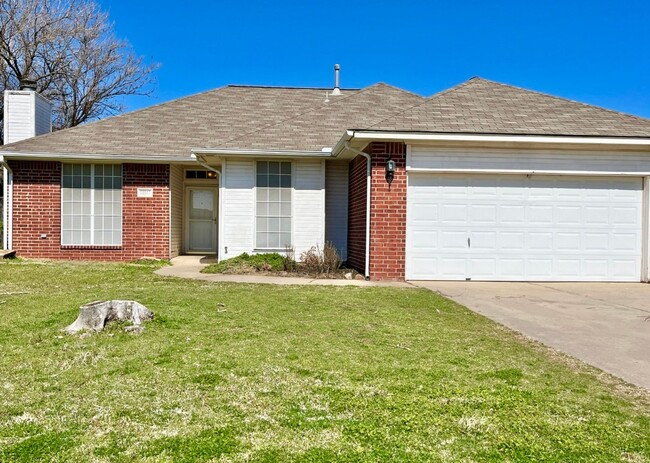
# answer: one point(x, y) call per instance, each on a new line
point(26, 113)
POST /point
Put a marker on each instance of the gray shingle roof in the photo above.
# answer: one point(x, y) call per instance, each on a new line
point(486, 107)
point(248, 117)
point(324, 125)
point(207, 119)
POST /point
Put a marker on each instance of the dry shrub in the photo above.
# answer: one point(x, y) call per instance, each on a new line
point(319, 262)
point(289, 259)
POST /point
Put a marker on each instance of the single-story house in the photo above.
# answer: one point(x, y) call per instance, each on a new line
point(483, 181)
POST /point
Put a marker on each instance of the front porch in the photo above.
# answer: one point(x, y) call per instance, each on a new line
point(194, 210)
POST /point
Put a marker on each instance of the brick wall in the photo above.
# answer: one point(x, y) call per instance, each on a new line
point(37, 210)
point(357, 214)
point(387, 212)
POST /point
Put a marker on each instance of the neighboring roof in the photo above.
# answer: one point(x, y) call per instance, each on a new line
point(282, 118)
point(480, 106)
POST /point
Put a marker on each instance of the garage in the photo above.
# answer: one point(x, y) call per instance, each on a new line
point(511, 227)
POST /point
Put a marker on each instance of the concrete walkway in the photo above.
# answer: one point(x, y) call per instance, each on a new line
point(190, 267)
point(604, 324)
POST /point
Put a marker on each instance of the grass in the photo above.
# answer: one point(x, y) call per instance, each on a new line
point(257, 373)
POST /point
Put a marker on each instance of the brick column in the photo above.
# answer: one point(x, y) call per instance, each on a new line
point(387, 212)
point(357, 214)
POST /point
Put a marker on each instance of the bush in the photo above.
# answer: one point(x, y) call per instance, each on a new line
point(246, 262)
point(289, 259)
point(319, 262)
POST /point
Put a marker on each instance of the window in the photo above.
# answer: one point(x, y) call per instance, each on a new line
point(199, 174)
point(91, 205)
point(273, 220)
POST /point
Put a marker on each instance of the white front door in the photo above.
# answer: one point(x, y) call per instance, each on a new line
point(201, 231)
point(519, 228)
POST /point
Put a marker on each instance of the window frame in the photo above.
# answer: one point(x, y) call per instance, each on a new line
point(92, 203)
point(291, 189)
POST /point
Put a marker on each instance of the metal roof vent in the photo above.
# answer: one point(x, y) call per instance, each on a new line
point(337, 90)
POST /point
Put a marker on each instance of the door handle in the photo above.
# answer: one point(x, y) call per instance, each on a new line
point(469, 243)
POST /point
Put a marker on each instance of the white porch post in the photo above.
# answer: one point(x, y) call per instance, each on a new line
point(7, 207)
point(645, 245)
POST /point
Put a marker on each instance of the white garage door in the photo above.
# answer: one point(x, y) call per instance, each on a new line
point(520, 228)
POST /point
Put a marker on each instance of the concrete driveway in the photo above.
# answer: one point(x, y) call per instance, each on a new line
point(604, 324)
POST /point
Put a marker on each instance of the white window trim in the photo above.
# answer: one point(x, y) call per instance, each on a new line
point(254, 247)
point(92, 210)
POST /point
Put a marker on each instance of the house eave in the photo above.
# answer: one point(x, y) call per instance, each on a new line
point(363, 137)
point(245, 152)
point(151, 159)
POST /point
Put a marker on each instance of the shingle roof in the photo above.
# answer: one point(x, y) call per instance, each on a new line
point(204, 120)
point(486, 107)
point(324, 125)
point(248, 117)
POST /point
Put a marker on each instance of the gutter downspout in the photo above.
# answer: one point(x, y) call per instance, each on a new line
point(7, 207)
point(203, 163)
point(368, 183)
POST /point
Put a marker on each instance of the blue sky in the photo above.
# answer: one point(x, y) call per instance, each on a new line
point(593, 51)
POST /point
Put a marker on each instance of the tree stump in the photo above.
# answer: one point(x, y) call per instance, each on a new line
point(95, 315)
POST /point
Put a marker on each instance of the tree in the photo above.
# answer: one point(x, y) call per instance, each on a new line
point(69, 48)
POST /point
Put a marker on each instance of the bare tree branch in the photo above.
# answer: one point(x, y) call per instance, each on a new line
point(69, 48)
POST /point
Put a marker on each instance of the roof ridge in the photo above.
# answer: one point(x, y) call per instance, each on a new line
point(336, 100)
point(289, 87)
point(424, 101)
point(555, 97)
point(394, 87)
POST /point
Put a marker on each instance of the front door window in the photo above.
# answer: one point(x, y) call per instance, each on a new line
point(202, 236)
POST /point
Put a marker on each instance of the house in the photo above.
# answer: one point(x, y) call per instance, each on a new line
point(487, 181)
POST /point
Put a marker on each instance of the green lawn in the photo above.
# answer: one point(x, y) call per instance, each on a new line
point(258, 373)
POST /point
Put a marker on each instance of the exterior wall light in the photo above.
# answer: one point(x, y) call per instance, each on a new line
point(390, 171)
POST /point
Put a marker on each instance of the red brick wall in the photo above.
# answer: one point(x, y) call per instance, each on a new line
point(37, 210)
point(387, 212)
point(357, 214)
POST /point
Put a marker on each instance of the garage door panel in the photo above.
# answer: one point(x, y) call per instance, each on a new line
point(621, 268)
point(540, 269)
point(483, 214)
point(483, 240)
point(511, 241)
point(624, 242)
point(485, 268)
point(539, 215)
point(454, 213)
point(568, 215)
point(511, 214)
point(596, 242)
point(452, 267)
point(453, 239)
point(425, 240)
point(568, 241)
point(624, 215)
point(566, 267)
point(540, 241)
point(513, 227)
point(596, 215)
point(595, 268)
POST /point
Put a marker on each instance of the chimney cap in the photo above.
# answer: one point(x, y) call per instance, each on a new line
point(27, 84)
